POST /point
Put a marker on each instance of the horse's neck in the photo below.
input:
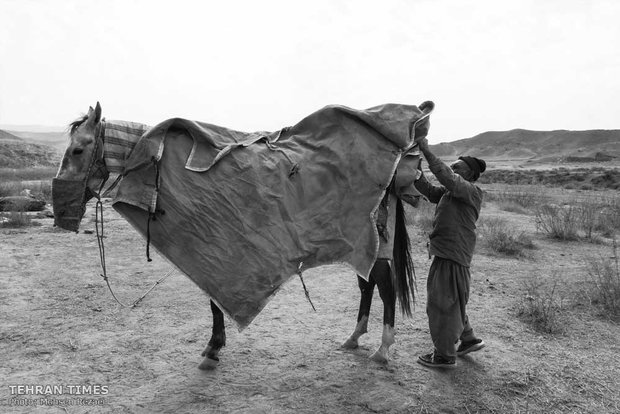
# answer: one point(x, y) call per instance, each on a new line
point(119, 140)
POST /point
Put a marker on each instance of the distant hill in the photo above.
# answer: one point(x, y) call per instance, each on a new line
point(5, 135)
point(33, 128)
point(17, 152)
point(55, 139)
point(548, 146)
point(20, 148)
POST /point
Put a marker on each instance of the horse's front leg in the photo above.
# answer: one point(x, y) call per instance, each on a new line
point(217, 341)
point(383, 277)
point(366, 290)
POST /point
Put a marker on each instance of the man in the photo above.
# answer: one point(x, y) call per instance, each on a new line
point(452, 242)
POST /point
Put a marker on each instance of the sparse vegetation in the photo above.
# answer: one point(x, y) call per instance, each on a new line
point(608, 216)
point(576, 178)
point(38, 181)
point(20, 154)
point(542, 307)
point(559, 222)
point(497, 235)
point(589, 219)
point(15, 219)
point(27, 174)
point(525, 197)
point(604, 275)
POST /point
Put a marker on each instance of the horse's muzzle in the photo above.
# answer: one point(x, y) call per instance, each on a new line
point(69, 202)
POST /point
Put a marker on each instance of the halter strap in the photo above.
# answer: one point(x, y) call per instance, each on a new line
point(97, 168)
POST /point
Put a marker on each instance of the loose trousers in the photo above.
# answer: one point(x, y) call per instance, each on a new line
point(447, 291)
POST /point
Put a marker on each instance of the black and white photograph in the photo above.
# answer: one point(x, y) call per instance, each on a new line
point(327, 206)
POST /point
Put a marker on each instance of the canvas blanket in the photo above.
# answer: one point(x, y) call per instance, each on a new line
point(241, 213)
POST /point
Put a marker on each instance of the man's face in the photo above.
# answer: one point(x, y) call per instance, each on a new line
point(460, 167)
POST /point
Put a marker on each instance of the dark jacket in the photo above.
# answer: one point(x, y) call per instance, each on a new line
point(458, 207)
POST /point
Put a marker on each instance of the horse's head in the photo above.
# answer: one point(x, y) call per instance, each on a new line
point(82, 172)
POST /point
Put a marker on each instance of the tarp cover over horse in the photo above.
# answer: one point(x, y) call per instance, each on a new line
point(241, 213)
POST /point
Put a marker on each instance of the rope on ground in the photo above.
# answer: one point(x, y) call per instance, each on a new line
point(104, 275)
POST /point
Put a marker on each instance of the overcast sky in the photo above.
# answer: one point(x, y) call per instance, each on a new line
point(262, 64)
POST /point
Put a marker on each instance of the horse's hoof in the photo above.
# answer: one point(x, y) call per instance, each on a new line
point(350, 344)
point(206, 351)
point(208, 364)
point(378, 357)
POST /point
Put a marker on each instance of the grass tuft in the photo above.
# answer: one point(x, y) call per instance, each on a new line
point(559, 222)
point(15, 219)
point(498, 236)
point(604, 278)
point(542, 307)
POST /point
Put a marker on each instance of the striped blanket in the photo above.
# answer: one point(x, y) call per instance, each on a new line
point(118, 137)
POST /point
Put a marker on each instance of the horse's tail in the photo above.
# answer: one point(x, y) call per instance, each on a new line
point(404, 281)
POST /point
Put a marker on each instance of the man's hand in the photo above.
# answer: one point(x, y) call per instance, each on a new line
point(422, 144)
point(421, 128)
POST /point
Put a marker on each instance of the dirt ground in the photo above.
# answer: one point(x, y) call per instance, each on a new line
point(60, 327)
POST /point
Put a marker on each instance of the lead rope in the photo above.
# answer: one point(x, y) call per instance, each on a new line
point(304, 285)
point(104, 275)
point(151, 215)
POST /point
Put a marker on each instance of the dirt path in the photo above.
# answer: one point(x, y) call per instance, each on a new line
point(59, 326)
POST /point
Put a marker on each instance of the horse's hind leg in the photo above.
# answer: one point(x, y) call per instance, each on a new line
point(383, 277)
point(217, 341)
point(366, 289)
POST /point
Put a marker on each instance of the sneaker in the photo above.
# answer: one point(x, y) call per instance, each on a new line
point(469, 346)
point(434, 360)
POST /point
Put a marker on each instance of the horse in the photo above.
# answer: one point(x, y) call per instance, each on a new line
point(99, 147)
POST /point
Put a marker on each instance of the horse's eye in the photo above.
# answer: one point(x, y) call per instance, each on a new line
point(78, 151)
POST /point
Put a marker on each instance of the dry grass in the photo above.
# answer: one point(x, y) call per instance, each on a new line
point(41, 190)
point(16, 219)
point(604, 278)
point(498, 236)
point(542, 307)
point(37, 180)
point(521, 197)
point(569, 178)
point(27, 174)
point(589, 219)
point(559, 222)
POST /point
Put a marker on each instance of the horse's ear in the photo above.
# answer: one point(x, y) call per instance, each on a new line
point(94, 115)
point(97, 112)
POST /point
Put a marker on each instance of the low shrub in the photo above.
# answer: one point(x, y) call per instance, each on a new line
point(497, 235)
point(559, 222)
point(542, 307)
point(589, 217)
point(15, 219)
point(41, 190)
point(524, 196)
point(609, 215)
point(604, 278)
point(512, 207)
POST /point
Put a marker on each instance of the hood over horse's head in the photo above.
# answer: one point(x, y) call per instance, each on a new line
point(82, 172)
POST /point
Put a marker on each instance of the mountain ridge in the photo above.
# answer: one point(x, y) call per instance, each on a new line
point(43, 148)
point(524, 144)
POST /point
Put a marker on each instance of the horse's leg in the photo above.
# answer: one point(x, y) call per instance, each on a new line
point(366, 289)
point(383, 278)
point(217, 341)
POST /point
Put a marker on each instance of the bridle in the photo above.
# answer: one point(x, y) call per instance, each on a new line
point(97, 169)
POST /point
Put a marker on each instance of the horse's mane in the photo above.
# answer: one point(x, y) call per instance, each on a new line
point(75, 124)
